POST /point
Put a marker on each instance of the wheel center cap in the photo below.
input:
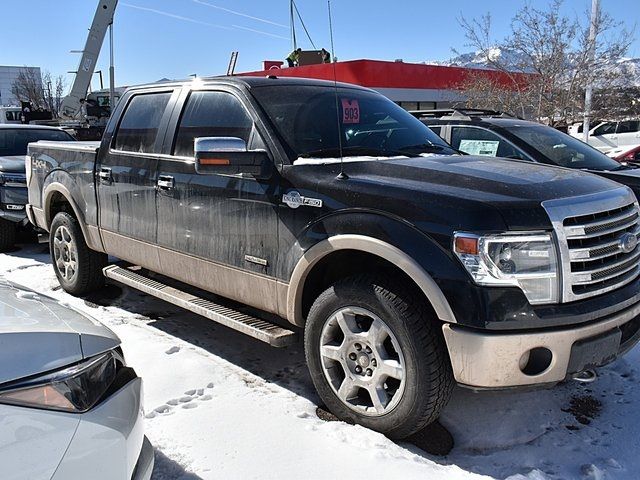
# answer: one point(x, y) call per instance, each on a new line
point(363, 360)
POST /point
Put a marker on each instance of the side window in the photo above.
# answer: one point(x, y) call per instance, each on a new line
point(605, 128)
point(628, 126)
point(139, 126)
point(478, 141)
point(211, 114)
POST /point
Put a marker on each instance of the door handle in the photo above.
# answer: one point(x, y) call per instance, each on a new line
point(105, 175)
point(166, 182)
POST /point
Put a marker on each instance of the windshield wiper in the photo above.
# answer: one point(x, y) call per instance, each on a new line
point(428, 148)
point(350, 151)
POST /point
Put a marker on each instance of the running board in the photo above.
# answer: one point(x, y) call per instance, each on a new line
point(262, 330)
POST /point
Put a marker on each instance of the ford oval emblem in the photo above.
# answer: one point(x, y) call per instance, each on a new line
point(628, 242)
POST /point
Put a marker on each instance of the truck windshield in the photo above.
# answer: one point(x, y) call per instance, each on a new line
point(14, 141)
point(306, 118)
point(562, 149)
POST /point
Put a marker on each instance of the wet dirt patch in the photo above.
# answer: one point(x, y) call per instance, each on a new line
point(584, 408)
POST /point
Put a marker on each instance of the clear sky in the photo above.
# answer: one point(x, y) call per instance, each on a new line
point(176, 38)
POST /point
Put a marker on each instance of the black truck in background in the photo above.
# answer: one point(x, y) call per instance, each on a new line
point(408, 267)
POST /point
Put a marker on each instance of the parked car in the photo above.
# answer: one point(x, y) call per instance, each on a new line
point(70, 408)
point(409, 267)
point(13, 181)
point(10, 115)
point(494, 134)
point(626, 154)
point(606, 136)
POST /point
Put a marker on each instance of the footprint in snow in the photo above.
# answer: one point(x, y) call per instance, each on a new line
point(190, 405)
point(172, 350)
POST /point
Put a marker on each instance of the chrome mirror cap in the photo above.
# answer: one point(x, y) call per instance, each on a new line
point(219, 144)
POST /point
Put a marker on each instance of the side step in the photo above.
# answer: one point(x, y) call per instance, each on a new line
point(262, 330)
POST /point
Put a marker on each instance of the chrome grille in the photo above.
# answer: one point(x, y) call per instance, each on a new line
point(589, 230)
point(598, 262)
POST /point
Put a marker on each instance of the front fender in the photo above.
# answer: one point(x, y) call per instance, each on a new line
point(423, 258)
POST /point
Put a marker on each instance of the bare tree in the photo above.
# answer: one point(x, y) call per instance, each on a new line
point(27, 87)
point(554, 50)
point(53, 88)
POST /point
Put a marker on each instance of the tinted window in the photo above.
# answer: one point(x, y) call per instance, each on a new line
point(313, 124)
point(478, 141)
point(628, 126)
point(562, 149)
point(139, 126)
point(211, 114)
point(14, 141)
point(605, 128)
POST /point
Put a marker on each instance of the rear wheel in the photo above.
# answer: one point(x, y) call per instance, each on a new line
point(377, 357)
point(7, 234)
point(78, 268)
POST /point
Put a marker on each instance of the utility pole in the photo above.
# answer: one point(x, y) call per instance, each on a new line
point(112, 75)
point(595, 13)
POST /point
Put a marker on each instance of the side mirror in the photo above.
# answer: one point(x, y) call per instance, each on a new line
point(229, 155)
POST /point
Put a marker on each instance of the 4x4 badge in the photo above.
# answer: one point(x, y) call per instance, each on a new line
point(294, 200)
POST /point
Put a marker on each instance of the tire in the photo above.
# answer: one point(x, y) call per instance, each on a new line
point(79, 269)
point(408, 337)
point(7, 235)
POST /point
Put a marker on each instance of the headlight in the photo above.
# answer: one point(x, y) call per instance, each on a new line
point(75, 389)
point(528, 261)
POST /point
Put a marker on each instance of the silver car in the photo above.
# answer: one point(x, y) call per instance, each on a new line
point(70, 408)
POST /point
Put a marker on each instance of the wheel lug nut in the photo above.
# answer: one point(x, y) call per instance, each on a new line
point(352, 356)
point(374, 362)
point(358, 346)
point(369, 372)
point(358, 369)
point(367, 349)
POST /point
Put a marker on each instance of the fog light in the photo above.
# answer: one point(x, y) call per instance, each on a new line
point(535, 361)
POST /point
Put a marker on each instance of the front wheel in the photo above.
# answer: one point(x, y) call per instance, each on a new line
point(78, 268)
point(376, 356)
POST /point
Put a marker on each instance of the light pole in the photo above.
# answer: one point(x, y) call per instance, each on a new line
point(595, 11)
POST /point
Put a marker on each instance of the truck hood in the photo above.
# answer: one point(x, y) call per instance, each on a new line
point(12, 164)
point(456, 192)
point(39, 334)
point(630, 178)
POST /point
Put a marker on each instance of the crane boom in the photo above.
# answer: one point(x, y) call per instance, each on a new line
point(103, 17)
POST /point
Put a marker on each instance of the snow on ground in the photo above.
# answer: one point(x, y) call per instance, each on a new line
point(220, 405)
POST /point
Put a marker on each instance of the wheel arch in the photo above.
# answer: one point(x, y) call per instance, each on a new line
point(370, 246)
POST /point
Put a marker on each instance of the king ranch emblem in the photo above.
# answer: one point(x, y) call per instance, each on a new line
point(294, 200)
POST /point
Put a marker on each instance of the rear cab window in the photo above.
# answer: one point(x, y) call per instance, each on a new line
point(140, 123)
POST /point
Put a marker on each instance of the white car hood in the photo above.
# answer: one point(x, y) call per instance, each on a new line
point(39, 334)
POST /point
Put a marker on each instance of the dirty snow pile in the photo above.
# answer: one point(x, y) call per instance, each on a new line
point(221, 405)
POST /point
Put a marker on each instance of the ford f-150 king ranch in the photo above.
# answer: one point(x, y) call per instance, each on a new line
point(276, 205)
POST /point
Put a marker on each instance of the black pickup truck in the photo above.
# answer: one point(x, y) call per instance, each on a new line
point(275, 206)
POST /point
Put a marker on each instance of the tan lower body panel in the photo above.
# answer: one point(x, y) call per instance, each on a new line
point(258, 291)
point(492, 360)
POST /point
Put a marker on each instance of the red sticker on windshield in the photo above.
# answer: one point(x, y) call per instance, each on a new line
point(350, 111)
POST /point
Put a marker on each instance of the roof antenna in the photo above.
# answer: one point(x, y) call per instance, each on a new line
point(341, 175)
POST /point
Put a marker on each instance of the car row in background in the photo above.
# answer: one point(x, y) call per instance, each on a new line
point(626, 154)
point(606, 136)
point(495, 134)
point(70, 408)
point(13, 181)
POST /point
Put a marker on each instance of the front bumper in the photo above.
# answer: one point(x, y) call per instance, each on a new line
point(491, 360)
point(13, 202)
point(109, 443)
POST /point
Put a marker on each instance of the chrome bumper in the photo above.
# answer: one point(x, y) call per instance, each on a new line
point(494, 361)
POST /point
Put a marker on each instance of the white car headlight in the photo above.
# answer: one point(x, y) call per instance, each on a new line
point(74, 389)
point(528, 261)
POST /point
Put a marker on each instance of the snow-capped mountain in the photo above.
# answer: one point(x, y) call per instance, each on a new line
point(514, 60)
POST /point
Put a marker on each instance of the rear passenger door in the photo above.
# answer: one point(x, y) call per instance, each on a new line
point(219, 231)
point(126, 177)
point(628, 133)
